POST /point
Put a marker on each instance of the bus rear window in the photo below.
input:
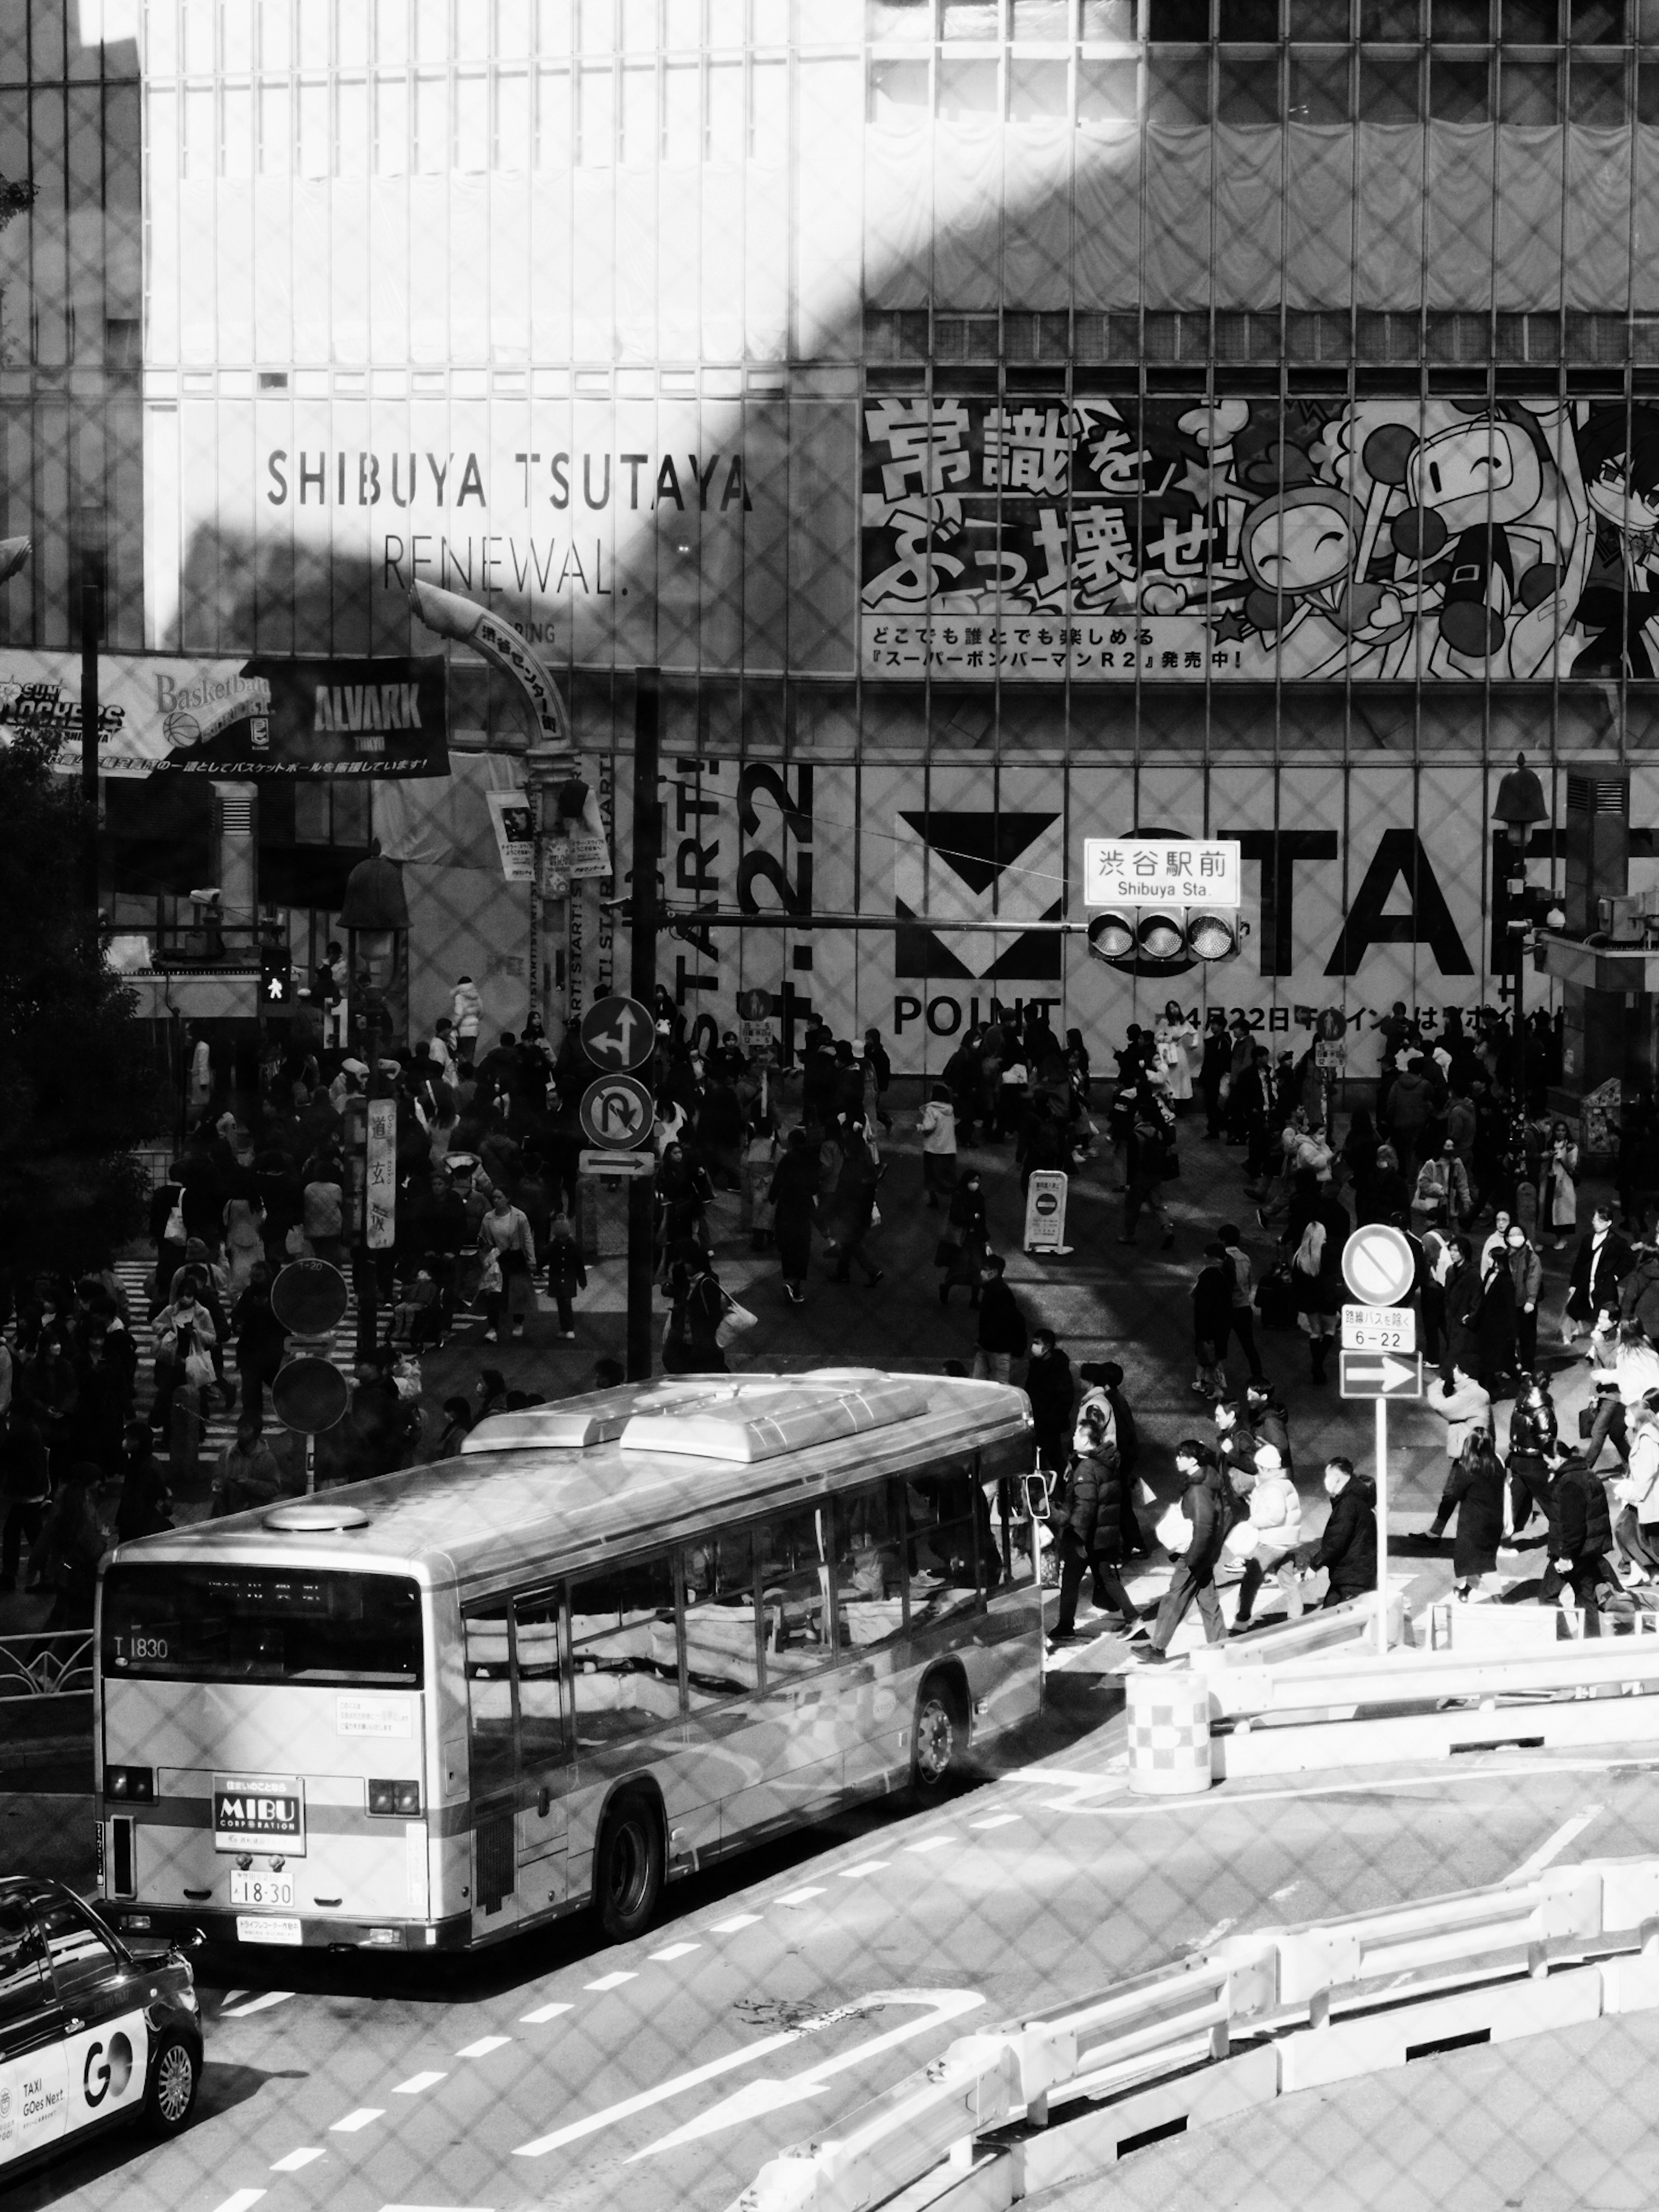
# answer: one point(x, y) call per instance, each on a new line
point(213, 1624)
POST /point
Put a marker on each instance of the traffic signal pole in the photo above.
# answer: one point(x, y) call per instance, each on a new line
point(642, 986)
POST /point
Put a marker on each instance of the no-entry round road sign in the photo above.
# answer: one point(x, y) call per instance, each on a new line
point(1379, 1265)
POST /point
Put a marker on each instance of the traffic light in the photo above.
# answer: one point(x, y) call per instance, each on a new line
point(275, 978)
point(1164, 940)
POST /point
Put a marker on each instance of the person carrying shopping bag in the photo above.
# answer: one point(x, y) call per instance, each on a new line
point(1275, 1527)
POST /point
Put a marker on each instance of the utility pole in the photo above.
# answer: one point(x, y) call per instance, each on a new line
point(90, 532)
point(642, 986)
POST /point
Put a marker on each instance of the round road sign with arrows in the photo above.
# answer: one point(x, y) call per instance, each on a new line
point(617, 1112)
point(618, 1035)
point(1379, 1265)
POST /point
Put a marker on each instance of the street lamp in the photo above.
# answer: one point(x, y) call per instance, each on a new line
point(1520, 803)
point(374, 914)
point(92, 546)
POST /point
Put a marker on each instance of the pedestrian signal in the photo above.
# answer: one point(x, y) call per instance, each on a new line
point(275, 977)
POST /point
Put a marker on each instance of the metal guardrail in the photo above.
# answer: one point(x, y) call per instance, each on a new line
point(55, 1665)
point(1294, 2006)
point(1424, 1678)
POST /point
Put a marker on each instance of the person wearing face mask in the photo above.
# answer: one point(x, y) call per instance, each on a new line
point(1276, 1523)
point(1207, 1503)
point(1347, 1548)
point(1086, 1521)
point(1526, 1273)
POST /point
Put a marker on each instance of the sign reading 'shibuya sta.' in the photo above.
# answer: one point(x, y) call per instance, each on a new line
point(1161, 872)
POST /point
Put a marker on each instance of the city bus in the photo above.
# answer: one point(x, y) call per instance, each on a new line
point(617, 1638)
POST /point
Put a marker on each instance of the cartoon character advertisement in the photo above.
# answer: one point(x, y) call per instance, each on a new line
point(1379, 540)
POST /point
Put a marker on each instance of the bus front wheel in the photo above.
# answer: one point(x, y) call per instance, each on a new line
point(627, 1871)
point(939, 1740)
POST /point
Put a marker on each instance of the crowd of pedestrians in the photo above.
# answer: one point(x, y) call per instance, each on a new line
point(487, 1138)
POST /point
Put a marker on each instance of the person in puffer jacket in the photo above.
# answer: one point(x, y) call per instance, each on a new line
point(1276, 1516)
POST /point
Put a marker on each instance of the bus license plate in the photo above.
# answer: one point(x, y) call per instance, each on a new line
point(266, 1929)
point(271, 1893)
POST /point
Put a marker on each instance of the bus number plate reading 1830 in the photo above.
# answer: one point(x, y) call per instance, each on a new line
point(267, 1893)
point(1379, 1328)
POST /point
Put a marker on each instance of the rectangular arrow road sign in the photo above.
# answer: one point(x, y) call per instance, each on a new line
point(1379, 1375)
point(625, 1165)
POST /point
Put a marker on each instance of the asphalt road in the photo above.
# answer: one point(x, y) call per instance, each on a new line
point(662, 2074)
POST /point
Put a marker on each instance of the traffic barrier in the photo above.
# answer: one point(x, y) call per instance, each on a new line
point(1254, 2017)
point(55, 1665)
point(1169, 1716)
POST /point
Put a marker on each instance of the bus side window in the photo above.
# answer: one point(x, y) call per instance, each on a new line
point(624, 1651)
point(722, 1658)
point(869, 1565)
point(945, 1506)
point(541, 1694)
point(490, 1695)
point(792, 1564)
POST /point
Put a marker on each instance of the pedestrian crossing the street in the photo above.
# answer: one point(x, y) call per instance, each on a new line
point(219, 1422)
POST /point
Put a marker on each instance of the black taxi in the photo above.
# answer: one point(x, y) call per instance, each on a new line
point(92, 2032)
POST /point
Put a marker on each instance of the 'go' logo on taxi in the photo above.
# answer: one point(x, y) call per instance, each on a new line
point(113, 2074)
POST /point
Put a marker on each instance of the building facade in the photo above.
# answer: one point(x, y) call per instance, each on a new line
point(1002, 422)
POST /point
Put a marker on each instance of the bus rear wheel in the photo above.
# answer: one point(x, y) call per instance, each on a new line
point(939, 1741)
point(628, 1867)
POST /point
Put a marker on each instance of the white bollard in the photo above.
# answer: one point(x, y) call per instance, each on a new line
point(1169, 1733)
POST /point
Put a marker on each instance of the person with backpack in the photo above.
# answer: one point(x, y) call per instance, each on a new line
point(565, 1274)
point(1002, 1331)
point(1087, 1523)
point(1212, 1320)
point(1242, 1320)
point(1317, 1281)
point(1149, 1158)
point(1208, 1504)
point(1580, 1539)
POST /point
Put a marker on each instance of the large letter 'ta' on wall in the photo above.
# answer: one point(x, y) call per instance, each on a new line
point(1399, 853)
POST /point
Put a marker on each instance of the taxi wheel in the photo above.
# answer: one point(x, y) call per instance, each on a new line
point(174, 2076)
point(628, 1872)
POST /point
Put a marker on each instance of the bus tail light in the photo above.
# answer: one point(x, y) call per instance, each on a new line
point(394, 1797)
point(384, 1936)
point(135, 1784)
point(121, 1883)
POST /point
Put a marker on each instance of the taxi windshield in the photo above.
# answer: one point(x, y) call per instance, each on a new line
point(235, 1624)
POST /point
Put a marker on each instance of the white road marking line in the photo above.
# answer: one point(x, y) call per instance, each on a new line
point(865, 1866)
point(434, 2207)
point(364, 2117)
point(484, 2046)
point(297, 2160)
point(942, 2005)
point(997, 1820)
point(1072, 1777)
point(1552, 1846)
point(418, 2082)
point(1279, 1895)
point(797, 1896)
point(241, 2201)
point(611, 1981)
point(258, 2004)
point(1210, 1935)
point(675, 1951)
point(931, 1843)
point(731, 1927)
point(771, 2095)
point(543, 2013)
